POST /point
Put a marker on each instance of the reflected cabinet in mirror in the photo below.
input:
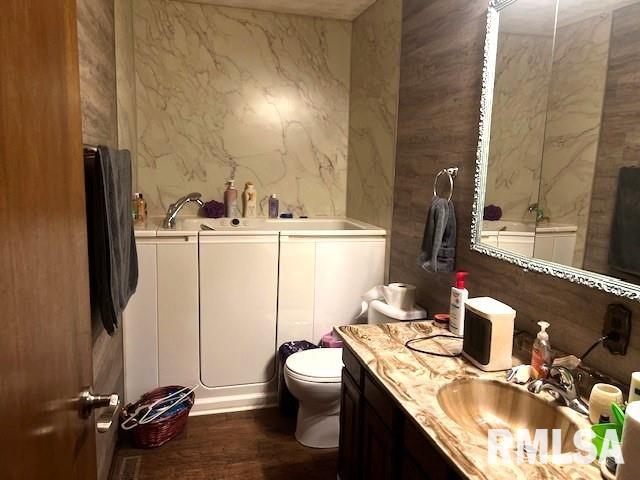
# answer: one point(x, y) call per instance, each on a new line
point(558, 170)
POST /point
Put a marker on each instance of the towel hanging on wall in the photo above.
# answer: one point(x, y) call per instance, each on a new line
point(113, 260)
point(439, 239)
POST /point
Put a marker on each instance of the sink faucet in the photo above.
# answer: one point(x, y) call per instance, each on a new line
point(539, 212)
point(561, 384)
point(174, 208)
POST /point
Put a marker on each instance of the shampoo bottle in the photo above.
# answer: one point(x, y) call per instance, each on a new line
point(231, 200)
point(250, 198)
point(459, 295)
point(541, 353)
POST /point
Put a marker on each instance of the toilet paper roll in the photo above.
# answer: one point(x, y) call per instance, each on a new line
point(399, 295)
point(630, 469)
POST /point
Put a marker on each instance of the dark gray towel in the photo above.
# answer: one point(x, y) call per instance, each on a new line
point(439, 240)
point(113, 260)
point(624, 245)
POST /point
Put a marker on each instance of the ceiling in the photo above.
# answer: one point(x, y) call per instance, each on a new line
point(339, 9)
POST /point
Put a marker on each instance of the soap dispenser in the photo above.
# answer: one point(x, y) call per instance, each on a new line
point(541, 353)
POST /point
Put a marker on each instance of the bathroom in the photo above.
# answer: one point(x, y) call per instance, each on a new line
point(520, 114)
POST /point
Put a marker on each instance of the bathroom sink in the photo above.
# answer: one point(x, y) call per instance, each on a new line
point(479, 405)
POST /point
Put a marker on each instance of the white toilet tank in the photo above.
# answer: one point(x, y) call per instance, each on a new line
point(380, 312)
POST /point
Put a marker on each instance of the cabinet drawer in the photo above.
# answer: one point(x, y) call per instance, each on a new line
point(379, 400)
point(352, 365)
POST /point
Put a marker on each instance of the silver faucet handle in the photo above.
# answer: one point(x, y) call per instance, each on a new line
point(563, 376)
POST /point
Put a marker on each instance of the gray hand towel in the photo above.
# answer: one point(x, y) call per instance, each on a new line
point(624, 245)
point(113, 260)
point(439, 240)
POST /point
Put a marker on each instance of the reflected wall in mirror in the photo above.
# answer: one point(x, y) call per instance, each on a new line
point(560, 157)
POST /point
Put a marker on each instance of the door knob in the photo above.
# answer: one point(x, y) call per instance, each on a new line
point(89, 402)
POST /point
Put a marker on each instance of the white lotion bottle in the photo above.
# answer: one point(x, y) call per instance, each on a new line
point(459, 295)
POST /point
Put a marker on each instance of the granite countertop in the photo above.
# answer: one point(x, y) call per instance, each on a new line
point(413, 380)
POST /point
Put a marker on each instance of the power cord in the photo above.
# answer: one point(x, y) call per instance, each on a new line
point(430, 337)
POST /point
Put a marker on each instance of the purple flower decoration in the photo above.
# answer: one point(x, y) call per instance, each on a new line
point(492, 212)
point(213, 209)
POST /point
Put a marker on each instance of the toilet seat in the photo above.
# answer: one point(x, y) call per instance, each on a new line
point(320, 365)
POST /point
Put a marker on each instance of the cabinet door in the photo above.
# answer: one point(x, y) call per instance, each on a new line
point(238, 304)
point(177, 259)
point(411, 470)
point(140, 328)
point(377, 447)
point(349, 463)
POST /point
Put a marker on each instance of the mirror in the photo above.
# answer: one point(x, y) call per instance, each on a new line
point(558, 169)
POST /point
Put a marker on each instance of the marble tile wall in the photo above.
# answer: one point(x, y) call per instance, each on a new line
point(126, 79)
point(375, 72)
point(224, 92)
point(574, 111)
point(523, 67)
point(96, 50)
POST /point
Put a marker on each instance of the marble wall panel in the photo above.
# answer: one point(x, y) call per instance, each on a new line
point(375, 71)
point(126, 79)
point(224, 92)
point(574, 111)
point(523, 70)
point(96, 51)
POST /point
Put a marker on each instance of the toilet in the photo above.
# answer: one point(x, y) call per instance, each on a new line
point(314, 378)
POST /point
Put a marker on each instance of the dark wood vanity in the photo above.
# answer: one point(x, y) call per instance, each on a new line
point(377, 439)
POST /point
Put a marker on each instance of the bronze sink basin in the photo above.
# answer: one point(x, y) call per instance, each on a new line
point(478, 405)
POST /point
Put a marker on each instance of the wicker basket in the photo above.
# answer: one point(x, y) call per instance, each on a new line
point(161, 430)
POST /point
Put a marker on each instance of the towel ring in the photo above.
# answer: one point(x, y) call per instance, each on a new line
point(451, 173)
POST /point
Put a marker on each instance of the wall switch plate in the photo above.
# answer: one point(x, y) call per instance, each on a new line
point(617, 328)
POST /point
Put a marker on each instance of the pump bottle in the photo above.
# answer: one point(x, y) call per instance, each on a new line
point(459, 295)
point(541, 353)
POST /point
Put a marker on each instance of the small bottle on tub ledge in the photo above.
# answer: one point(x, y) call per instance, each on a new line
point(274, 205)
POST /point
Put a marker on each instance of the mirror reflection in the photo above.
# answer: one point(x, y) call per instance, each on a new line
point(563, 176)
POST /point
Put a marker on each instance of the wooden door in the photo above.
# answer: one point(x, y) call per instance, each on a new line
point(45, 337)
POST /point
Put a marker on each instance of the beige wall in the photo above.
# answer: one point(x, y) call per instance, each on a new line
point(574, 110)
point(100, 126)
point(375, 72)
point(523, 70)
point(224, 92)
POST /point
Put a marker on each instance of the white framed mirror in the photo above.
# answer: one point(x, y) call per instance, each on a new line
point(557, 181)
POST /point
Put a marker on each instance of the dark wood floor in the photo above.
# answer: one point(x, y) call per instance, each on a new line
point(245, 445)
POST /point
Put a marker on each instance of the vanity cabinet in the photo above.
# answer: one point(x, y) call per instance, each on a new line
point(377, 439)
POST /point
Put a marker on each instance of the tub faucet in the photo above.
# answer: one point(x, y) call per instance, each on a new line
point(174, 208)
point(562, 385)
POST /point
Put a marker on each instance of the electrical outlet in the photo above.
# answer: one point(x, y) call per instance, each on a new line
point(617, 328)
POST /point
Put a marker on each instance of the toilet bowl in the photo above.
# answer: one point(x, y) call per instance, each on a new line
point(314, 378)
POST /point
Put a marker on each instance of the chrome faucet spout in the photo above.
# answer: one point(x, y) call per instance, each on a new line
point(174, 208)
point(561, 384)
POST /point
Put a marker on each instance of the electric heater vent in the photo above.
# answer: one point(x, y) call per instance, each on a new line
point(129, 468)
